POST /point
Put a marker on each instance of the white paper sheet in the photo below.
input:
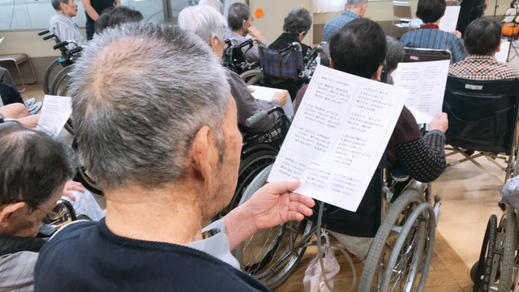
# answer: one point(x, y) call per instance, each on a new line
point(450, 19)
point(504, 49)
point(338, 137)
point(54, 113)
point(266, 93)
point(426, 82)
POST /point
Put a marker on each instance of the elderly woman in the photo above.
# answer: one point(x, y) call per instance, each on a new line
point(208, 24)
point(295, 27)
point(240, 25)
point(429, 35)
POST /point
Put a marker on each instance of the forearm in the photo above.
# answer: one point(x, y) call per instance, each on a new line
point(239, 225)
point(424, 158)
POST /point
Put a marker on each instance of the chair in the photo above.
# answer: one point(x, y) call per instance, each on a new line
point(402, 13)
point(19, 59)
point(483, 118)
point(424, 55)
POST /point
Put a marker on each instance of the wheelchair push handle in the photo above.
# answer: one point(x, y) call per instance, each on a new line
point(49, 36)
point(60, 45)
point(251, 121)
point(43, 32)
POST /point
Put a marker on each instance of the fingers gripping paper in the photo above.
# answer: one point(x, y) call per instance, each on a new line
point(338, 137)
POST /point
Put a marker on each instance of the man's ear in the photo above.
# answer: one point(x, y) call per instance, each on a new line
point(7, 211)
point(214, 41)
point(204, 156)
point(301, 35)
point(331, 63)
point(376, 76)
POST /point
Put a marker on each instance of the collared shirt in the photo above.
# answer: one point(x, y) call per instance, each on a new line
point(66, 30)
point(335, 24)
point(430, 38)
point(479, 67)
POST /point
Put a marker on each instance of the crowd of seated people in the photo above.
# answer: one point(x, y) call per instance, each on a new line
point(210, 25)
point(157, 119)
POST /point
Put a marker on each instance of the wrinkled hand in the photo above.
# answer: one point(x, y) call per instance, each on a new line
point(439, 122)
point(275, 204)
point(72, 186)
point(281, 97)
point(254, 32)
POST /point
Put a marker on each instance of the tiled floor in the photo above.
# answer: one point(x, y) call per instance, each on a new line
point(469, 197)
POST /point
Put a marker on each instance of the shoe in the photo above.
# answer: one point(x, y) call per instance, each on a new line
point(30, 101)
point(34, 108)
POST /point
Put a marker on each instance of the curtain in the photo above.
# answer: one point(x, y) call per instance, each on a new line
point(322, 6)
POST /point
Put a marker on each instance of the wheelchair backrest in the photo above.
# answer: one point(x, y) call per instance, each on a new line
point(285, 64)
point(482, 114)
point(425, 55)
point(234, 57)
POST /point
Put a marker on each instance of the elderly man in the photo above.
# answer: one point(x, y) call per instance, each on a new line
point(482, 42)
point(429, 35)
point(240, 21)
point(352, 9)
point(31, 182)
point(62, 24)
point(210, 26)
point(157, 130)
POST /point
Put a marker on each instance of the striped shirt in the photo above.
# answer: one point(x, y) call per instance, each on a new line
point(430, 38)
point(17, 271)
point(66, 30)
point(479, 67)
point(335, 24)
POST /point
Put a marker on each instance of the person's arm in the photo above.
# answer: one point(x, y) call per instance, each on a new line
point(90, 10)
point(424, 158)
point(247, 105)
point(272, 205)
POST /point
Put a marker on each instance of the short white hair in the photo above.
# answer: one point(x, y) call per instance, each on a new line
point(216, 4)
point(204, 21)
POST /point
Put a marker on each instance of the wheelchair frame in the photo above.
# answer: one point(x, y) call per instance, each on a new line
point(402, 247)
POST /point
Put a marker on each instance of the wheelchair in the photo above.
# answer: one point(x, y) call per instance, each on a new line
point(398, 259)
point(259, 150)
point(234, 59)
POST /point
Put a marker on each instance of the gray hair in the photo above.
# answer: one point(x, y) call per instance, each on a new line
point(395, 53)
point(238, 13)
point(56, 3)
point(297, 21)
point(216, 4)
point(34, 165)
point(355, 3)
point(141, 92)
point(204, 21)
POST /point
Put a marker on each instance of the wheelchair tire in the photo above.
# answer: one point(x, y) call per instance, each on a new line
point(250, 167)
point(83, 177)
point(271, 255)
point(484, 267)
point(47, 75)
point(507, 239)
point(386, 238)
point(252, 77)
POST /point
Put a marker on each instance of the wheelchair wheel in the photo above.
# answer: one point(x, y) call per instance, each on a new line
point(252, 77)
point(271, 255)
point(250, 167)
point(83, 177)
point(60, 80)
point(385, 244)
point(50, 70)
point(486, 257)
point(506, 241)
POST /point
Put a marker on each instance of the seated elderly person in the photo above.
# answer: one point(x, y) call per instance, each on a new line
point(31, 182)
point(10, 95)
point(115, 16)
point(482, 42)
point(210, 26)
point(359, 48)
point(353, 9)
point(62, 24)
point(161, 140)
point(295, 27)
point(240, 28)
point(429, 35)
